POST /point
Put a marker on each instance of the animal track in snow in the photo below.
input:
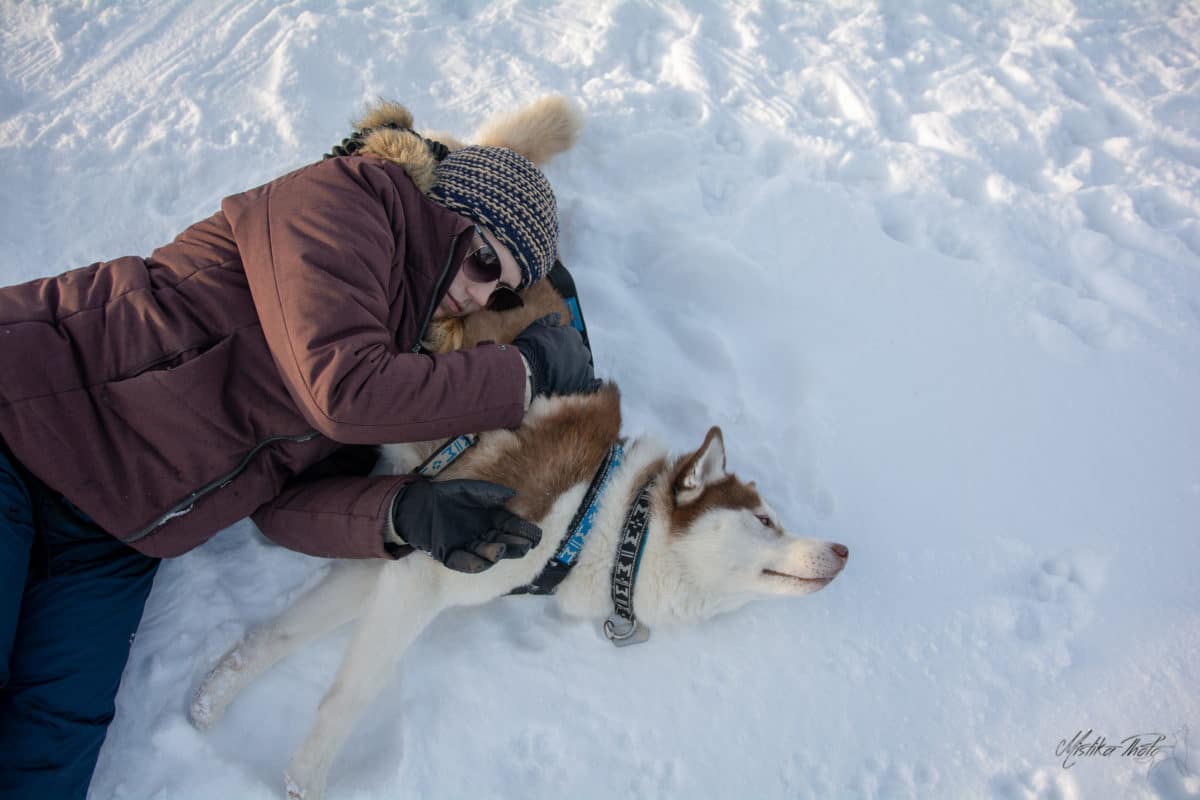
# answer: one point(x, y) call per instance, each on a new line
point(539, 756)
point(884, 777)
point(657, 778)
point(1038, 784)
point(1054, 604)
point(948, 237)
point(1059, 602)
point(1065, 316)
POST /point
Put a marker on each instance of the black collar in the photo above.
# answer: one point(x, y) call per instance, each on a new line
point(622, 627)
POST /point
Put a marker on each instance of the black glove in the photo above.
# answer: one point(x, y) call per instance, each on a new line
point(462, 523)
point(559, 363)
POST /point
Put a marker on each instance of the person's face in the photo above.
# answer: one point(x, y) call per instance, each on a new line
point(467, 294)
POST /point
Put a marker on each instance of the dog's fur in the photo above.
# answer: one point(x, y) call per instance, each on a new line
point(712, 545)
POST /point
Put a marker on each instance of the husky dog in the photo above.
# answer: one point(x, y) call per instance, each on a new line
point(629, 533)
point(711, 544)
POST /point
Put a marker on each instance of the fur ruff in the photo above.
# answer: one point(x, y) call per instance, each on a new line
point(539, 132)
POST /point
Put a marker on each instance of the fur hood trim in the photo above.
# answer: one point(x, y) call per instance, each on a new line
point(538, 132)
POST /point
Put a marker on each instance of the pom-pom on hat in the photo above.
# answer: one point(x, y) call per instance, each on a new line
point(504, 192)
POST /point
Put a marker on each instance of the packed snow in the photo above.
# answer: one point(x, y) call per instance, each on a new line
point(933, 267)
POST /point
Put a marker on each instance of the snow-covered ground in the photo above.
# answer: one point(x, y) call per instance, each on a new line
point(935, 269)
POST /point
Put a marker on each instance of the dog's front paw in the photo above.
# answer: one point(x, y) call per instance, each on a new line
point(218, 689)
point(297, 792)
point(209, 702)
point(201, 710)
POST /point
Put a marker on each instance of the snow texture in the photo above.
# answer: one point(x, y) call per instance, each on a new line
point(934, 267)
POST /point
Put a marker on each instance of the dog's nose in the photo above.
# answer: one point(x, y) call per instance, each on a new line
point(841, 551)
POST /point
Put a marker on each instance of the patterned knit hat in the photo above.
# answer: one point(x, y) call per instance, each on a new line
point(505, 193)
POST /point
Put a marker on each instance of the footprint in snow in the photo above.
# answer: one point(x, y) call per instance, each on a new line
point(657, 777)
point(1038, 784)
point(1059, 600)
point(1065, 318)
point(883, 776)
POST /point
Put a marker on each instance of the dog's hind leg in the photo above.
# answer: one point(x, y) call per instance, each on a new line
point(407, 599)
point(330, 604)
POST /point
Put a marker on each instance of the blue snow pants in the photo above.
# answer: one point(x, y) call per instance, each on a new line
point(71, 597)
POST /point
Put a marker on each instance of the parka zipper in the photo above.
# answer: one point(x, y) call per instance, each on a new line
point(437, 287)
point(185, 505)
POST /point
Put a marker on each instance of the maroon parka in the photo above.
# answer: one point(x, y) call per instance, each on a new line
point(169, 397)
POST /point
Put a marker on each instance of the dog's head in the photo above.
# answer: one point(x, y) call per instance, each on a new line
point(730, 544)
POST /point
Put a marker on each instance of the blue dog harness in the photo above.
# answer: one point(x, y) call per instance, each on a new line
point(622, 627)
point(571, 544)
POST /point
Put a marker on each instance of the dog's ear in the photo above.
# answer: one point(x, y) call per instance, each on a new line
point(504, 326)
point(701, 469)
point(444, 335)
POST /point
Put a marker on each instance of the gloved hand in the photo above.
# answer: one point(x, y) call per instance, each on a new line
point(462, 523)
point(559, 363)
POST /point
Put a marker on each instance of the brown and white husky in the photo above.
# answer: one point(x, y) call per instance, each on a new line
point(710, 544)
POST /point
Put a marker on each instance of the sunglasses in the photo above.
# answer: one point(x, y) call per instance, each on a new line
point(483, 266)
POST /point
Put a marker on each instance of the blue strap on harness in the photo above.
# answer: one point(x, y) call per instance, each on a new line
point(446, 455)
point(585, 517)
point(572, 542)
point(581, 527)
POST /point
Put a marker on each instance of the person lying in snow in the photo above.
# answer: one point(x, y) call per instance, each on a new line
point(146, 404)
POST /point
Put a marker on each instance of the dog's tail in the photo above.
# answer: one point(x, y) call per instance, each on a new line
point(539, 132)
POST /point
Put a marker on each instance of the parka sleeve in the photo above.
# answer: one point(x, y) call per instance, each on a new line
point(334, 517)
point(319, 248)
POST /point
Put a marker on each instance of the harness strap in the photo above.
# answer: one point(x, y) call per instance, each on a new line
point(571, 544)
point(446, 455)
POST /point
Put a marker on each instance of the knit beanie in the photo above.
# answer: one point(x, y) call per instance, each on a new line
point(504, 192)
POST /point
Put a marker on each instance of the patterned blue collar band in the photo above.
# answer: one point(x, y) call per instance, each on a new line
point(622, 627)
point(446, 455)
